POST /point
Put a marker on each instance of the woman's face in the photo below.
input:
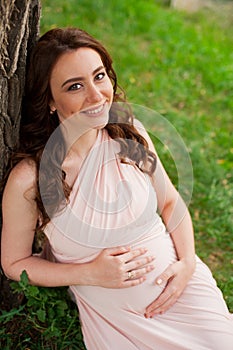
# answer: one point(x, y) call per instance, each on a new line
point(80, 86)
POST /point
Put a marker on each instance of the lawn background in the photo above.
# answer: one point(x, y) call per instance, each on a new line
point(180, 65)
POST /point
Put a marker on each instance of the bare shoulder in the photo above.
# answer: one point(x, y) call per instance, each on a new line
point(139, 126)
point(142, 131)
point(22, 178)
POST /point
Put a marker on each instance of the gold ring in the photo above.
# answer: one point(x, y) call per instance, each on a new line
point(130, 275)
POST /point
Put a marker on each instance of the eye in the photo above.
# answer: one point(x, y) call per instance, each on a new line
point(100, 76)
point(76, 86)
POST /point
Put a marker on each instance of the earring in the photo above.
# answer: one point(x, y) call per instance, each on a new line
point(52, 111)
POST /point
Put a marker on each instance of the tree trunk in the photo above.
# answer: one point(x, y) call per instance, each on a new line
point(19, 27)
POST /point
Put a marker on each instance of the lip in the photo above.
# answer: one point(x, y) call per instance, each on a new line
point(94, 111)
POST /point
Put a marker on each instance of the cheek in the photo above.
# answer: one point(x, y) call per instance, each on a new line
point(69, 106)
point(109, 89)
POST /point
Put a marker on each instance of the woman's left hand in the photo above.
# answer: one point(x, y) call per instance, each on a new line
point(175, 279)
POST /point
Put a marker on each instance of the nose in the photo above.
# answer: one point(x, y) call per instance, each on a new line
point(93, 94)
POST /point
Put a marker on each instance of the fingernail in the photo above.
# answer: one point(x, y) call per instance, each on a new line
point(159, 281)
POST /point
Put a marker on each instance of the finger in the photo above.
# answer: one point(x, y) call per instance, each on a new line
point(162, 308)
point(164, 296)
point(133, 283)
point(166, 299)
point(133, 254)
point(117, 250)
point(139, 263)
point(135, 274)
point(165, 276)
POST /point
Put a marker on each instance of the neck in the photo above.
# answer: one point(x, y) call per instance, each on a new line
point(81, 147)
point(78, 136)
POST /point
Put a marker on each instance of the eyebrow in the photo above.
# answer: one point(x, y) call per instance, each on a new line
point(72, 80)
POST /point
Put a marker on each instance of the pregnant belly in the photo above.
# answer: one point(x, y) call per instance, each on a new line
point(134, 299)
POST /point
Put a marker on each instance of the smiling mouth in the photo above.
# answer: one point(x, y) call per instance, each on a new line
point(95, 110)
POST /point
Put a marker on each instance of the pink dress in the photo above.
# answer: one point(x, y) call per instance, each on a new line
point(113, 204)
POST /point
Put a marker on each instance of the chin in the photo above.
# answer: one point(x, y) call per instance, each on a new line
point(99, 127)
point(99, 122)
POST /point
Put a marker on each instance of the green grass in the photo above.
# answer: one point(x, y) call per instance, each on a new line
point(179, 65)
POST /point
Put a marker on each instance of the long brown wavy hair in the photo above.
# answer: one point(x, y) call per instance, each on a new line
point(37, 124)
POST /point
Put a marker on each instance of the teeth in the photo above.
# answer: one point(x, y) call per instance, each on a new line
point(95, 111)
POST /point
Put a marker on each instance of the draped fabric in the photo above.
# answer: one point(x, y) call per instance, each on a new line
point(112, 204)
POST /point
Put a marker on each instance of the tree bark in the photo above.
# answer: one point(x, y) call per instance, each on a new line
point(19, 28)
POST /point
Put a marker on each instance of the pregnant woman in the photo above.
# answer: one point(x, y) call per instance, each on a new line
point(87, 174)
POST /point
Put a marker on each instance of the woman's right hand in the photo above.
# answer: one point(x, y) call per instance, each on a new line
point(121, 267)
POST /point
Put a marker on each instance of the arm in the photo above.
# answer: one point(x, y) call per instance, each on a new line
point(175, 215)
point(109, 269)
point(178, 223)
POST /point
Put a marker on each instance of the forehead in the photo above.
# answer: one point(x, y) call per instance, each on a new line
point(76, 63)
